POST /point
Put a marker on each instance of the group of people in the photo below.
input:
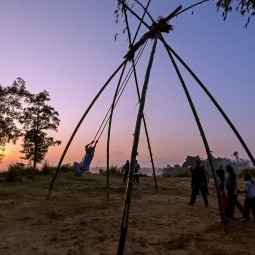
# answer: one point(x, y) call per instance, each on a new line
point(199, 183)
point(125, 171)
point(229, 193)
point(228, 188)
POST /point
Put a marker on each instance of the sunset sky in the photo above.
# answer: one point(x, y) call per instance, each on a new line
point(67, 47)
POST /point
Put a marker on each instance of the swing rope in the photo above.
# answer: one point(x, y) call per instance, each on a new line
point(121, 90)
point(112, 109)
point(78, 125)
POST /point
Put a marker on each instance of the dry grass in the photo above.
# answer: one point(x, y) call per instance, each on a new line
point(79, 219)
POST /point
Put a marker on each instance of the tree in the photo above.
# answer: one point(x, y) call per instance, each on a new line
point(190, 161)
point(245, 7)
point(10, 108)
point(37, 118)
point(236, 155)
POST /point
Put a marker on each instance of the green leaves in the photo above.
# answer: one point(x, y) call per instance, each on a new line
point(244, 7)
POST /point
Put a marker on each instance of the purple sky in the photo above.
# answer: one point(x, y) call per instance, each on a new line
point(68, 48)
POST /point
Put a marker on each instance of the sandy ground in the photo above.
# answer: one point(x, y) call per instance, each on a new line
point(79, 219)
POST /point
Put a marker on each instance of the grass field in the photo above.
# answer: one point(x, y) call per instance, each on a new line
point(79, 218)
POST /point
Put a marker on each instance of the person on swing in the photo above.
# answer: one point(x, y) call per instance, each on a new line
point(85, 162)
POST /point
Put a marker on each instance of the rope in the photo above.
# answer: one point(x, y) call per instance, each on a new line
point(121, 90)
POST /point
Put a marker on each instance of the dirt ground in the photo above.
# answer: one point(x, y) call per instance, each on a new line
point(80, 219)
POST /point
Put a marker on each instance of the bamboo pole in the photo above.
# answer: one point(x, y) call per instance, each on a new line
point(206, 145)
point(109, 127)
point(186, 9)
point(79, 123)
point(129, 188)
point(139, 97)
point(114, 104)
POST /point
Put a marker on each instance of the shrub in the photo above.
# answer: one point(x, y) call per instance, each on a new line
point(67, 168)
point(45, 168)
point(12, 175)
point(183, 173)
point(250, 171)
point(114, 170)
point(172, 172)
point(18, 171)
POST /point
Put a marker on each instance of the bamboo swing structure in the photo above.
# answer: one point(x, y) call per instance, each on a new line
point(155, 32)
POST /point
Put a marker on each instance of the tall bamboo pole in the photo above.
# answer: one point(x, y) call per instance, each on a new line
point(139, 97)
point(129, 189)
point(109, 127)
point(216, 104)
point(208, 151)
point(79, 123)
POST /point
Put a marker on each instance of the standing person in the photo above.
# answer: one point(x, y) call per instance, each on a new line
point(192, 172)
point(199, 184)
point(221, 173)
point(136, 173)
point(220, 176)
point(125, 170)
point(231, 187)
point(85, 162)
point(249, 201)
point(207, 179)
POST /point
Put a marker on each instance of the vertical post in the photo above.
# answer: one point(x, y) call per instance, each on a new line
point(129, 188)
point(138, 93)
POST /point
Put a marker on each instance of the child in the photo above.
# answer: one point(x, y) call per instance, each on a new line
point(222, 184)
point(249, 202)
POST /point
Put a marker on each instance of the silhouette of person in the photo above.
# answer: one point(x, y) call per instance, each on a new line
point(125, 170)
point(199, 184)
point(231, 187)
point(85, 162)
point(249, 201)
point(136, 172)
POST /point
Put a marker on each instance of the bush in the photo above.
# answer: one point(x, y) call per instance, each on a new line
point(11, 175)
point(183, 173)
point(67, 168)
point(250, 171)
point(114, 170)
point(18, 171)
point(47, 169)
point(172, 172)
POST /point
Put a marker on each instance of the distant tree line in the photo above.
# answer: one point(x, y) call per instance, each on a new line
point(27, 116)
point(237, 163)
